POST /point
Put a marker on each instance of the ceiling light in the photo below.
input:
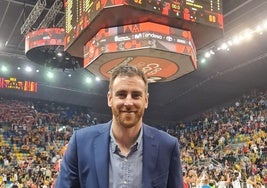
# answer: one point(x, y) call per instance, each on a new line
point(50, 75)
point(212, 52)
point(230, 42)
point(264, 24)
point(59, 54)
point(3, 68)
point(28, 69)
point(88, 80)
point(203, 60)
point(248, 34)
point(207, 54)
point(237, 40)
point(224, 46)
point(259, 30)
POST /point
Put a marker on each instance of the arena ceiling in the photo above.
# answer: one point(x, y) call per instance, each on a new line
point(224, 77)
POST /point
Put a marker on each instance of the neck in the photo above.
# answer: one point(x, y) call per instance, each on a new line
point(125, 137)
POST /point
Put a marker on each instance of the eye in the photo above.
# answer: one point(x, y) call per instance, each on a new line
point(136, 95)
point(121, 94)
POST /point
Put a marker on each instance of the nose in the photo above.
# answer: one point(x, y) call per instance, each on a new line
point(128, 101)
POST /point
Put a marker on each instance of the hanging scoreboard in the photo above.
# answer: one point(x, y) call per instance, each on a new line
point(84, 18)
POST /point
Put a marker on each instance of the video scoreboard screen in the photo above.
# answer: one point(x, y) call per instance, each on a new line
point(13, 83)
point(44, 37)
point(162, 52)
point(80, 13)
point(208, 12)
point(73, 16)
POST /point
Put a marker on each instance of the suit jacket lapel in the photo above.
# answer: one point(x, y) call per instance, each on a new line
point(101, 149)
point(150, 156)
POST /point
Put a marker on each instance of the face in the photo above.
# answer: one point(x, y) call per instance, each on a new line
point(128, 100)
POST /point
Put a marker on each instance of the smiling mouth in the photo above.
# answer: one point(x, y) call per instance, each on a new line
point(128, 112)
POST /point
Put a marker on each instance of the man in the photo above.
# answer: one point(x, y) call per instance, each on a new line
point(123, 153)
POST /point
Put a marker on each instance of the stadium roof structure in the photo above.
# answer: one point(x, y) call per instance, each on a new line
point(229, 71)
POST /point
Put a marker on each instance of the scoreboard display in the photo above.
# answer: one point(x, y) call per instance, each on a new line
point(208, 12)
point(13, 83)
point(81, 13)
point(162, 52)
point(44, 37)
point(73, 16)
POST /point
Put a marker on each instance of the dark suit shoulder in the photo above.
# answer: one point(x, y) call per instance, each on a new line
point(93, 131)
point(152, 131)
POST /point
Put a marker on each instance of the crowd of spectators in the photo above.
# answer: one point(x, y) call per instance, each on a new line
point(33, 137)
point(227, 147)
point(223, 147)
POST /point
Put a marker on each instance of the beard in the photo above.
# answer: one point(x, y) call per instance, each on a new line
point(127, 119)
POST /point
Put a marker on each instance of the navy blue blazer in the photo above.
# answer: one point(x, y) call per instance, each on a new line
point(86, 161)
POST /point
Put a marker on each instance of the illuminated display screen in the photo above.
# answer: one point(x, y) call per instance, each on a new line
point(44, 37)
point(74, 20)
point(207, 12)
point(80, 13)
point(13, 83)
point(162, 52)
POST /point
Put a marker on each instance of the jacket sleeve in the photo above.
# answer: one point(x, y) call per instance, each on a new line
point(175, 179)
point(68, 174)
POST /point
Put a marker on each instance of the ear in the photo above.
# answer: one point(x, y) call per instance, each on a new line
point(109, 98)
point(146, 99)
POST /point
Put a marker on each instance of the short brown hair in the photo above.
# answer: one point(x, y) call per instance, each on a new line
point(127, 70)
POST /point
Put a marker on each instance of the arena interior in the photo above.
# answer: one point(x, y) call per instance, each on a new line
point(218, 111)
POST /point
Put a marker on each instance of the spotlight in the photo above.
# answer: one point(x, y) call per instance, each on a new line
point(28, 69)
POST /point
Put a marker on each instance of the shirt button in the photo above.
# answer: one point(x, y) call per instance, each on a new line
point(125, 160)
point(125, 182)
